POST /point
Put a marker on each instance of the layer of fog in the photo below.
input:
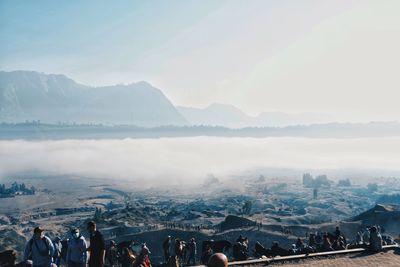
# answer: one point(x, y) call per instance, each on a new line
point(190, 160)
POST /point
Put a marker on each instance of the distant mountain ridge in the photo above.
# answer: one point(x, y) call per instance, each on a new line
point(230, 116)
point(29, 95)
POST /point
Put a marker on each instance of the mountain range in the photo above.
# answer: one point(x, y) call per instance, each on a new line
point(28, 95)
point(52, 98)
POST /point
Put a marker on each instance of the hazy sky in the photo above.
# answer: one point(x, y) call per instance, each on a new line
point(333, 56)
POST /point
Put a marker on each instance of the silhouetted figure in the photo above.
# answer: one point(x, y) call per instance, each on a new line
point(299, 244)
point(311, 241)
point(339, 244)
point(112, 254)
point(375, 240)
point(127, 258)
point(8, 258)
point(206, 255)
point(326, 244)
point(166, 248)
point(337, 232)
point(240, 248)
point(192, 248)
point(97, 246)
point(365, 236)
point(277, 250)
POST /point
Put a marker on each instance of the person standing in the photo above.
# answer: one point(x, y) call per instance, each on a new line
point(77, 250)
point(192, 246)
point(40, 249)
point(112, 254)
point(97, 247)
point(57, 250)
point(166, 248)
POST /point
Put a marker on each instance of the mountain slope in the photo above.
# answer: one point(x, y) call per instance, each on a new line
point(27, 95)
point(387, 216)
point(231, 116)
point(217, 115)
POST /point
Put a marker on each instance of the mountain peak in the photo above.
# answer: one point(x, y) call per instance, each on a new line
point(29, 95)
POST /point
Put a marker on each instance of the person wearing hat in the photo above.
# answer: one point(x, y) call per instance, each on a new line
point(39, 249)
point(97, 247)
point(77, 250)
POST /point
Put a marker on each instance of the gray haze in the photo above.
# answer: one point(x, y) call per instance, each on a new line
point(190, 160)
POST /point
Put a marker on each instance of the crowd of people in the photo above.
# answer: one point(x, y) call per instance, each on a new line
point(41, 251)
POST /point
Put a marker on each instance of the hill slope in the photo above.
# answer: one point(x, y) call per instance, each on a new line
point(28, 95)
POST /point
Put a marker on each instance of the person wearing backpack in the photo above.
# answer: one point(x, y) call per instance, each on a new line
point(39, 249)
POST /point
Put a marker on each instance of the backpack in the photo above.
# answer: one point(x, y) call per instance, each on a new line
point(47, 253)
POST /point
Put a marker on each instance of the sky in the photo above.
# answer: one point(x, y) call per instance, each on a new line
point(337, 57)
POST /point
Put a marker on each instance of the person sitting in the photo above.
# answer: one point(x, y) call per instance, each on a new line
point(365, 236)
point(127, 258)
point(276, 250)
point(312, 242)
point(218, 260)
point(299, 244)
point(375, 240)
point(326, 244)
point(359, 238)
point(339, 244)
point(337, 232)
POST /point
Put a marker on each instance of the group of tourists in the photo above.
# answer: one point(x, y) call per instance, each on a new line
point(184, 252)
point(41, 251)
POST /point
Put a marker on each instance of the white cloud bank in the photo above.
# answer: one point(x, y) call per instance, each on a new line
point(189, 160)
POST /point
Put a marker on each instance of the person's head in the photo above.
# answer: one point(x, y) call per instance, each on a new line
point(38, 232)
point(112, 243)
point(75, 233)
point(373, 229)
point(218, 260)
point(91, 226)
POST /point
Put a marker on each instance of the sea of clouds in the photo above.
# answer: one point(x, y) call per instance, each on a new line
point(190, 160)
